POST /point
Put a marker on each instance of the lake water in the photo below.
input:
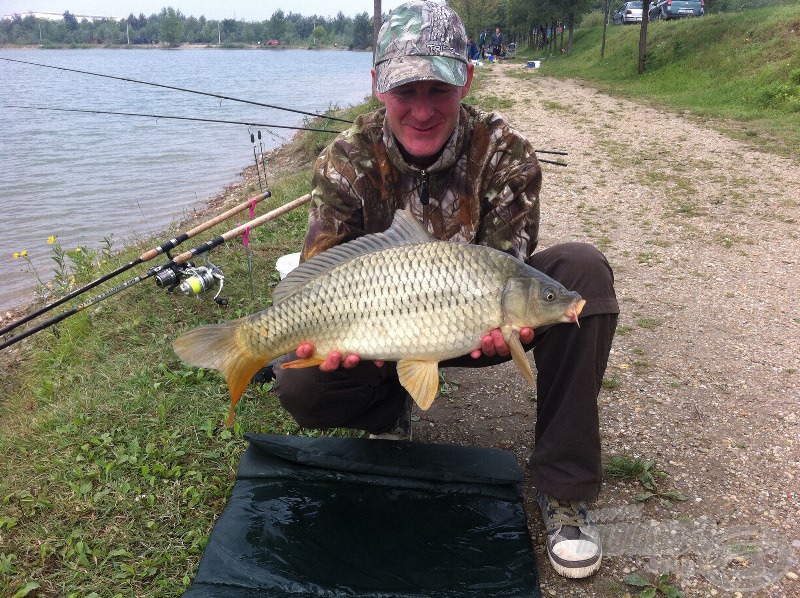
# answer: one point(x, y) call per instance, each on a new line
point(83, 177)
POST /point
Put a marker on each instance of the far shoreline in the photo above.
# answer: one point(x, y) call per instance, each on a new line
point(232, 46)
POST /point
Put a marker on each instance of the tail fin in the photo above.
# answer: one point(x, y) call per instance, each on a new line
point(218, 347)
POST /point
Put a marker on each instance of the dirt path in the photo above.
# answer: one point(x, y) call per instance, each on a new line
point(704, 377)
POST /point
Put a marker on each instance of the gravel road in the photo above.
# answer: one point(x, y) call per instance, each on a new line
point(704, 377)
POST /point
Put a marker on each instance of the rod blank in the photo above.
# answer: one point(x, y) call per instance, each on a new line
point(181, 259)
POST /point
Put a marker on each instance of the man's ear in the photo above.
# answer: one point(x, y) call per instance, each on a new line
point(465, 89)
point(378, 94)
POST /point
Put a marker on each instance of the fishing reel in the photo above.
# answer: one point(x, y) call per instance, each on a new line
point(193, 281)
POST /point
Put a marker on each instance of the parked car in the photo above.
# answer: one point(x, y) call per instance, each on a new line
point(676, 9)
point(628, 13)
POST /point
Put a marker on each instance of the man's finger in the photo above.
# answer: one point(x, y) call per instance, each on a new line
point(500, 346)
point(305, 350)
point(351, 361)
point(331, 362)
point(487, 345)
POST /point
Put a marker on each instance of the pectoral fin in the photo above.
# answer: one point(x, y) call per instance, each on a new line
point(518, 353)
point(420, 379)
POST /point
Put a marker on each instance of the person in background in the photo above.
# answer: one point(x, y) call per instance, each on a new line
point(468, 177)
point(482, 43)
point(472, 49)
point(496, 44)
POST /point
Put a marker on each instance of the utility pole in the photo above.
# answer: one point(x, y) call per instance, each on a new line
point(376, 27)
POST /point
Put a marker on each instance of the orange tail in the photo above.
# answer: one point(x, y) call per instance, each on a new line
point(218, 347)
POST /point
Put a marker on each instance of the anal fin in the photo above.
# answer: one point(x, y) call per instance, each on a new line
point(420, 379)
point(302, 363)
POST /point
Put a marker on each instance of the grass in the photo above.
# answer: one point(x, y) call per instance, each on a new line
point(736, 71)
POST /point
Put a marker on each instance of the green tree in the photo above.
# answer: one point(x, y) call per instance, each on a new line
point(318, 36)
point(362, 31)
point(170, 26)
point(277, 26)
point(339, 24)
point(70, 20)
point(570, 12)
point(477, 15)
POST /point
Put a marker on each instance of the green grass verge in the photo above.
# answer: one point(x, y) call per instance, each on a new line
point(739, 71)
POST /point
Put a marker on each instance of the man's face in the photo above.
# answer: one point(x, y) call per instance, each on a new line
point(423, 115)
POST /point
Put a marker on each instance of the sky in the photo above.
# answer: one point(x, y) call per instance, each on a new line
point(248, 10)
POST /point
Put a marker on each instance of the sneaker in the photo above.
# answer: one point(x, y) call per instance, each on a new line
point(402, 428)
point(573, 541)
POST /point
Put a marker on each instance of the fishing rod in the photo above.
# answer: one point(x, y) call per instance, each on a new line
point(166, 116)
point(229, 122)
point(147, 256)
point(195, 281)
point(204, 93)
point(556, 152)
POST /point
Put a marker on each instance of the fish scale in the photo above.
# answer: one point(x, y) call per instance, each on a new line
point(415, 308)
point(393, 296)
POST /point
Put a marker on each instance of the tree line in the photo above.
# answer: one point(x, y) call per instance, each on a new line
point(171, 27)
point(522, 21)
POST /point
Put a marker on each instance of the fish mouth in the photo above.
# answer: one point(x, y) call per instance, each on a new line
point(574, 310)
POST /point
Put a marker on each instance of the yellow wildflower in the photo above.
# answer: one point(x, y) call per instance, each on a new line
point(51, 239)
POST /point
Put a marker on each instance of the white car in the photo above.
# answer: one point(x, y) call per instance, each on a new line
point(628, 13)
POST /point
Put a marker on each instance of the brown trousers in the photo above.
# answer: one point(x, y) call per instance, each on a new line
point(570, 363)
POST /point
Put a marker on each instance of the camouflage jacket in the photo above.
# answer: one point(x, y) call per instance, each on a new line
point(483, 189)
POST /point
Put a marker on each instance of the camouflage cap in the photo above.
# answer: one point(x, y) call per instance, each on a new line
point(421, 41)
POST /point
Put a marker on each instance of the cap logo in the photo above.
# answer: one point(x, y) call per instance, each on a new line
point(440, 48)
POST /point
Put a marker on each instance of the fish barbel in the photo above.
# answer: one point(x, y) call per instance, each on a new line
point(397, 296)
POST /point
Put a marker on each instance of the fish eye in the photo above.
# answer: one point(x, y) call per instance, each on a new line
point(549, 294)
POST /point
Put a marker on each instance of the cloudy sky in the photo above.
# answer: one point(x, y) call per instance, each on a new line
point(249, 10)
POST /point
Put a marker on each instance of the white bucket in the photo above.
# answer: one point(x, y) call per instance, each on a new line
point(287, 263)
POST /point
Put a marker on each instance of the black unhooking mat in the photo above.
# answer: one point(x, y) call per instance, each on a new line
point(358, 517)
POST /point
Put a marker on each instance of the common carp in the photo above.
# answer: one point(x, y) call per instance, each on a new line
point(397, 296)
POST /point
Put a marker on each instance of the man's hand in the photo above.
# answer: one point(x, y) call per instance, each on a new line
point(333, 360)
point(494, 344)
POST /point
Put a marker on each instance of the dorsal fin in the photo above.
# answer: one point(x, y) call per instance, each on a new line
point(405, 230)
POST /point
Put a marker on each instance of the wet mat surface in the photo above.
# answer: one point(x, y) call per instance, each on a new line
point(345, 517)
